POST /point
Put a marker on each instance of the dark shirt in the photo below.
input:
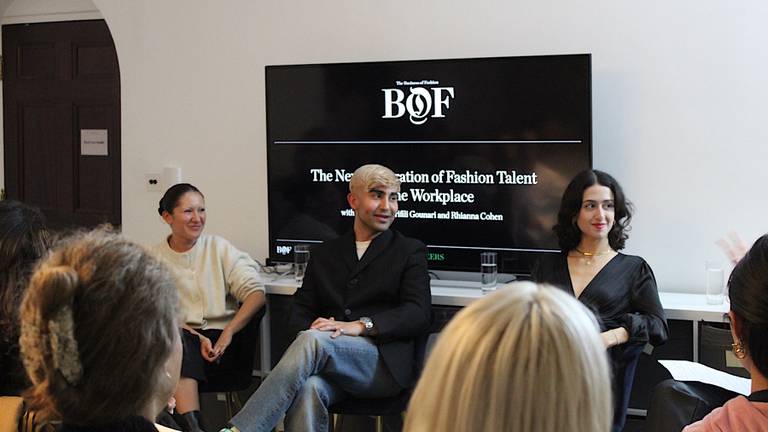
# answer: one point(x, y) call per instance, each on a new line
point(131, 424)
point(622, 294)
point(13, 378)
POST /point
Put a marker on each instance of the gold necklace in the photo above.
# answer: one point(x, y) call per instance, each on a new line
point(587, 256)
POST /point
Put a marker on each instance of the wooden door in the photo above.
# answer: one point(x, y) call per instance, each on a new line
point(59, 79)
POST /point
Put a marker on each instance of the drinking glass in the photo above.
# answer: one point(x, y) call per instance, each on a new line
point(488, 272)
point(300, 260)
point(715, 279)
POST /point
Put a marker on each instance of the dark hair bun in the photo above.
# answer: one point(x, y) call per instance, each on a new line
point(171, 197)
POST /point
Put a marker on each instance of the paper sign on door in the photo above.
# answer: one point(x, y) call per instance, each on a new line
point(93, 142)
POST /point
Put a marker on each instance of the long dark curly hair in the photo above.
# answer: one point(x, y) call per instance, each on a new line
point(568, 233)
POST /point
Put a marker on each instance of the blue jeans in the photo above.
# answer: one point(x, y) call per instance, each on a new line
point(315, 372)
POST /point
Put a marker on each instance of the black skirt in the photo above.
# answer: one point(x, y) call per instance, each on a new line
point(193, 365)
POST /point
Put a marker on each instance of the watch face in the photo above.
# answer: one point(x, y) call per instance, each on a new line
point(367, 323)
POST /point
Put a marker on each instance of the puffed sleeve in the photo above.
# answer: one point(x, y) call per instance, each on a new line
point(241, 272)
point(646, 323)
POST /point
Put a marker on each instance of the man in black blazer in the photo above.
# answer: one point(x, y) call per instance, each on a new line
point(364, 300)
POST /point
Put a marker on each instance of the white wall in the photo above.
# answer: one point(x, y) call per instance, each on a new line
point(30, 11)
point(679, 99)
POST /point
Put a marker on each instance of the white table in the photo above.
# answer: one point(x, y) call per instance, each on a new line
point(678, 306)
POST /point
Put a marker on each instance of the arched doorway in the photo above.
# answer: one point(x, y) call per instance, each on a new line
point(61, 114)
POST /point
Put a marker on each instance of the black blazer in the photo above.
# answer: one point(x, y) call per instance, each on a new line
point(389, 284)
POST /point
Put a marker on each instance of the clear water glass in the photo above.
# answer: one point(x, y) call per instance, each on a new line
point(300, 260)
point(715, 282)
point(488, 272)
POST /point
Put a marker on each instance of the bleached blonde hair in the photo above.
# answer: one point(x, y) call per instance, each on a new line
point(368, 176)
point(526, 358)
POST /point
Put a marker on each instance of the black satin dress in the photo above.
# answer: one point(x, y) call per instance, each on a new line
point(622, 294)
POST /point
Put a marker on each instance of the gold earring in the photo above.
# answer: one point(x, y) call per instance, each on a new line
point(738, 350)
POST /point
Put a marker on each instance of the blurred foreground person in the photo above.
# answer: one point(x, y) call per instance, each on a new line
point(100, 337)
point(526, 358)
point(24, 239)
point(676, 404)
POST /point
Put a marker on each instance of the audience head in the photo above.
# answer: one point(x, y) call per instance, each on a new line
point(99, 332)
point(748, 292)
point(24, 239)
point(527, 358)
point(368, 176)
point(567, 229)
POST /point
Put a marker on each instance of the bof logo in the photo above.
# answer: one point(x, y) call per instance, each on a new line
point(420, 104)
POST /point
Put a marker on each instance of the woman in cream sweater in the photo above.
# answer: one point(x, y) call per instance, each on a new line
point(212, 277)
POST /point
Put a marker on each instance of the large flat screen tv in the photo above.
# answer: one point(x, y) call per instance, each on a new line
point(484, 148)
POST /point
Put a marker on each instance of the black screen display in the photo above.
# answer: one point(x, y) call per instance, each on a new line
point(484, 149)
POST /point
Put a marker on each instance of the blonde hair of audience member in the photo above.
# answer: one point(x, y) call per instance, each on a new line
point(371, 175)
point(526, 358)
point(99, 332)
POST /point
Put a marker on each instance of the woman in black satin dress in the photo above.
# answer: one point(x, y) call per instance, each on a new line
point(620, 289)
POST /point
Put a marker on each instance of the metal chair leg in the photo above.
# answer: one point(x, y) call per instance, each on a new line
point(237, 403)
point(232, 403)
point(338, 422)
point(228, 404)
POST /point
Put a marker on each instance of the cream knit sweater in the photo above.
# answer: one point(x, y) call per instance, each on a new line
point(210, 278)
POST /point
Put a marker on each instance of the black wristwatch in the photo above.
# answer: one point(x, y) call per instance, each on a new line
point(367, 325)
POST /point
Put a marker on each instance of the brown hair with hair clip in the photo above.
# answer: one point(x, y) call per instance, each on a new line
point(99, 321)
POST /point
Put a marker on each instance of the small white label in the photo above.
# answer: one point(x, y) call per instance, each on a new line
point(94, 142)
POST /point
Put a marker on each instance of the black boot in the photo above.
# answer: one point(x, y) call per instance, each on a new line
point(190, 421)
point(168, 420)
